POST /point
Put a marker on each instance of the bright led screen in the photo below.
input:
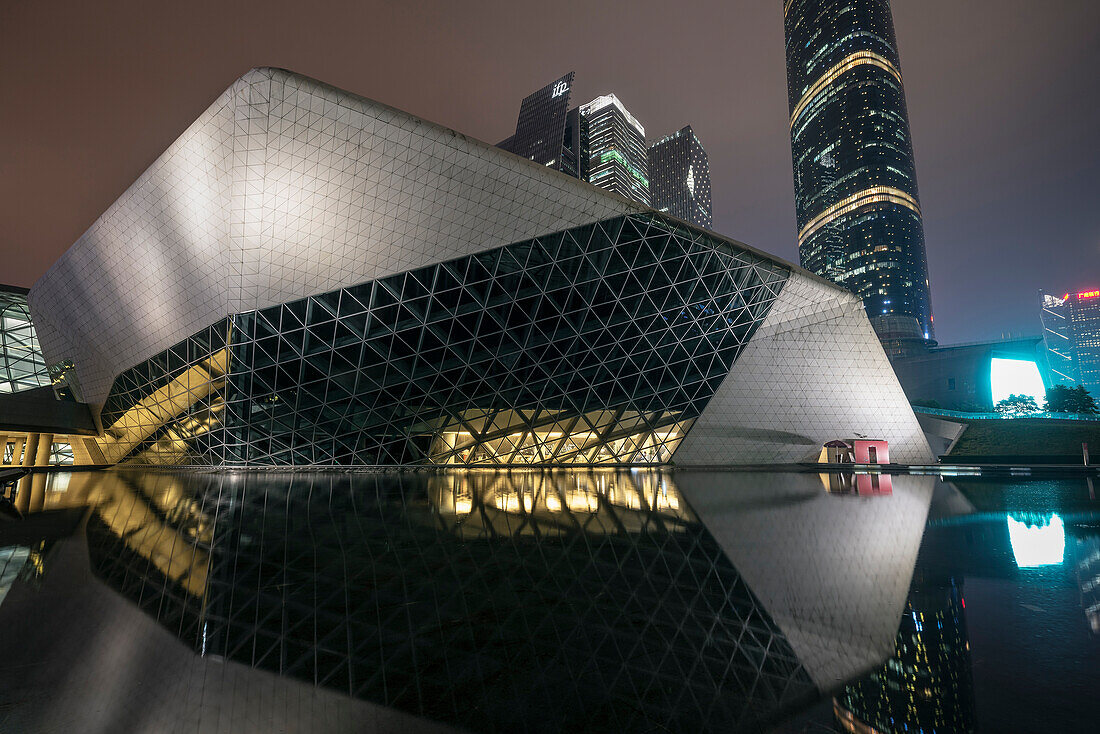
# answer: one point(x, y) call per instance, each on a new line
point(1016, 377)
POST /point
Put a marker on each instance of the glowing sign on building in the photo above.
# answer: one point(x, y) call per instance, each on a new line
point(1037, 540)
point(1089, 294)
point(560, 88)
point(1016, 377)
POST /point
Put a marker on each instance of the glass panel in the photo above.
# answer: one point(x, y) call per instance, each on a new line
point(507, 364)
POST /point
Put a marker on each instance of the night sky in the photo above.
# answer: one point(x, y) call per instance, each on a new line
point(1004, 102)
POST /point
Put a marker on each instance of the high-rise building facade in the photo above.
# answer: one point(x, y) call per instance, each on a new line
point(858, 213)
point(541, 127)
point(617, 156)
point(679, 177)
point(1071, 334)
point(599, 142)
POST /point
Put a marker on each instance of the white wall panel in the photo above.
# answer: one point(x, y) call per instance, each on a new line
point(814, 371)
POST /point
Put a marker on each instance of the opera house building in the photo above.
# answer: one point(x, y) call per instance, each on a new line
point(310, 278)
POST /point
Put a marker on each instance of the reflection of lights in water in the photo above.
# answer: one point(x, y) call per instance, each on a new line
point(665, 501)
point(57, 481)
point(512, 503)
point(581, 501)
point(542, 493)
point(625, 497)
point(1037, 540)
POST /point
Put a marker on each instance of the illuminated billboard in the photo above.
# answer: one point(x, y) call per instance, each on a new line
point(1016, 377)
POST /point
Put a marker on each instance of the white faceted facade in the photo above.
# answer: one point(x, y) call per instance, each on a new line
point(277, 279)
point(283, 188)
point(813, 372)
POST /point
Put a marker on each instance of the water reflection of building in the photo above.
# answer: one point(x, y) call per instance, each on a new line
point(927, 685)
point(486, 504)
point(1036, 539)
point(860, 483)
point(1026, 546)
point(1087, 567)
point(12, 560)
point(502, 601)
point(571, 594)
point(152, 517)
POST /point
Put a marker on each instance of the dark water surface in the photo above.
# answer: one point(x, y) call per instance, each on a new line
point(549, 601)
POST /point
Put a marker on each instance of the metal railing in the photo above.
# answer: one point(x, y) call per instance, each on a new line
point(1005, 416)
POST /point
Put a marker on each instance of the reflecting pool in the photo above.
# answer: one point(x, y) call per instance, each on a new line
point(547, 601)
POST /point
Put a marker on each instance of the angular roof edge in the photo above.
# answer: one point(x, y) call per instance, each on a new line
point(274, 73)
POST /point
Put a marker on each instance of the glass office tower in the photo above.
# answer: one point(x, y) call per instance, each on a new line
point(599, 142)
point(617, 156)
point(541, 134)
point(859, 218)
point(679, 177)
point(1071, 335)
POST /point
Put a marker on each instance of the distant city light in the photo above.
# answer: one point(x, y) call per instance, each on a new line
point(1016, 377)
point(1037, 541)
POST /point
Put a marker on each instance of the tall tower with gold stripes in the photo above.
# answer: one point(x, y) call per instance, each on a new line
point(859, 218)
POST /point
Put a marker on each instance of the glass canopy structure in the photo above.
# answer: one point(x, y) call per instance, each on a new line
point(596, 345)
point(21, 364)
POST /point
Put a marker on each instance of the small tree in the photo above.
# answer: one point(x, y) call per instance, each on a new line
point(1066, 399)
point(1017, 405)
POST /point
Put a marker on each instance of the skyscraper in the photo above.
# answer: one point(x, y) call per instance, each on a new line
point(679, 177)
point(541, 127)
point(617, 157)
point(599, 142)
point(1071, 334)
point(858, 213)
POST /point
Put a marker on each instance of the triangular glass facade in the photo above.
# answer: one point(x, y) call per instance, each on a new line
point(597, 345)
point(21, 364)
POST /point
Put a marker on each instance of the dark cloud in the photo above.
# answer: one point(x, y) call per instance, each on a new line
point(1003, 99)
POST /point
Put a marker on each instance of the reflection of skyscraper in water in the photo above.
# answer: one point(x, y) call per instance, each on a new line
point(927, 684)
point(1087, 566)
